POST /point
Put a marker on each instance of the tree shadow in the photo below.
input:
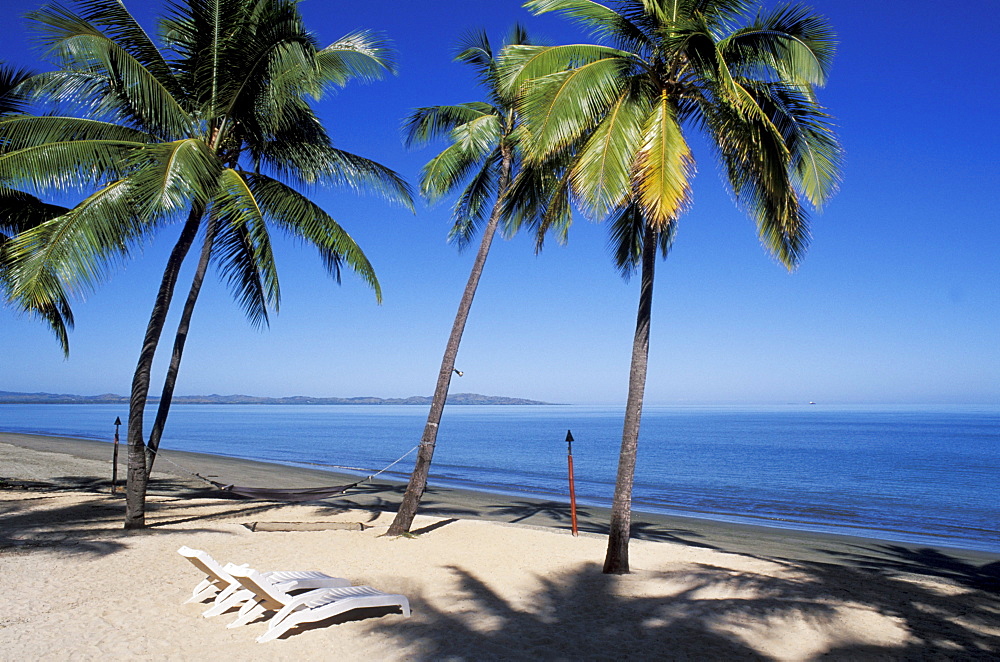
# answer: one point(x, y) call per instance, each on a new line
point(522, 510)
point(25, 485)
point(705, 613)
point(659, 533)
point(575, 616)
point(376, 488)
point(379, 497)
point(244, 511)
point(442, 509)
point(76, 529)
point(93, 526)
point(433, 527)
point(557, 514)
point(893, 559)
point(944, 624)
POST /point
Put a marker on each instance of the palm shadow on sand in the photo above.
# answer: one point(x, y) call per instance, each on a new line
point(583, 615)
point(889, 559)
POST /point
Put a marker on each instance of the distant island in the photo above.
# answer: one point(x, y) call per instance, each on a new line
point(12, 398)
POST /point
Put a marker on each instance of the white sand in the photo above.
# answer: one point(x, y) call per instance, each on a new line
point(74, 586)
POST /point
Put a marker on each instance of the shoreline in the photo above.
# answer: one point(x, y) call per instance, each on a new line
point(870, 474)
point(790, 544)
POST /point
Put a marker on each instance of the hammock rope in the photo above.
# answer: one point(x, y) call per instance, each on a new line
point(293, 495)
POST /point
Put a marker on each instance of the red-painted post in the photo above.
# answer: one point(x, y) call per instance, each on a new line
point(572, 487)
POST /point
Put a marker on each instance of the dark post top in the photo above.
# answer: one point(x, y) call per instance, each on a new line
point(569, 442)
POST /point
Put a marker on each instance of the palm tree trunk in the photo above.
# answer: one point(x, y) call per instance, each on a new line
point(616, 561)
point(167, 396)
point(421, 468)
point(136, 477)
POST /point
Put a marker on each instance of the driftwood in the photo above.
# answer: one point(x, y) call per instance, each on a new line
point(305, 526)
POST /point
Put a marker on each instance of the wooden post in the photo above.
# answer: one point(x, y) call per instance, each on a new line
point(114, 460)
point(572, 487)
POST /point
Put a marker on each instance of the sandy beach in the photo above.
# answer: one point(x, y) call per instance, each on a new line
point(489, 577)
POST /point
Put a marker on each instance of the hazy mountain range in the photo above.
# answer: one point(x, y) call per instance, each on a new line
point(9, 397)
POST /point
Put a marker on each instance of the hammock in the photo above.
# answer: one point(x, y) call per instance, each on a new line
point(291, 495)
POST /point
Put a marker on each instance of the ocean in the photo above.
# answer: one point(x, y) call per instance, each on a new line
point(924, 475)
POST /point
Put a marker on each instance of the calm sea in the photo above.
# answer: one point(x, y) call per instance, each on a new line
point(911, 474)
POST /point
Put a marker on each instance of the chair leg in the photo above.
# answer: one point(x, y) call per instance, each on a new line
point(248, 612)
point(226, 592)
point(275, 631)
point(204, 589)
point(226, 601)
point(293, 615)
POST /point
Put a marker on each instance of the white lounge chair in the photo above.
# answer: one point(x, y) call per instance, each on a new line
point(308, 607)
point(229, 593)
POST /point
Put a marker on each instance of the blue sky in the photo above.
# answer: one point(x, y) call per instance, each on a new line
point(898, 300)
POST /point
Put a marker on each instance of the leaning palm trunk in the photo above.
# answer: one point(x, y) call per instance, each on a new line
point(418, 479)
point(616, 561)
point(137, 476)
point(167, 396)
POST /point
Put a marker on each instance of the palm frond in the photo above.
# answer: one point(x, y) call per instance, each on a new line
point(560, 107)
point(56, 313)
point(435, 122)
point(521, 64)
point(59, 318)
point(626, 227)
point(757, 165)
point(627, 236)
point(791, 41)
point(118, 24)
point(104, 79)
point(74, 164)
point(242, 249)
point(76, 251)
point(363, 55)
point(473, 208)
point(22, 131)
point(481, 135)
point(815, 154)
point(474, 49)
point(557, 214)
point(12, 99)
point(361, 174)
point(602, 172)
point(168, 178)
point(303, 219)
point(20, 212)
point(602, 21)
point(290, 72)
point(539, 199)
point(663, 168)
point(446, 171)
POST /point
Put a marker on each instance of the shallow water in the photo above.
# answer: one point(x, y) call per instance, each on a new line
point(913, 474)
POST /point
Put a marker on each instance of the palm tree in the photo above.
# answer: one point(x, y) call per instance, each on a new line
point(355, 56)
point(667, 68)
point(216, 137)
point(485, 153)
point(20, 211)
